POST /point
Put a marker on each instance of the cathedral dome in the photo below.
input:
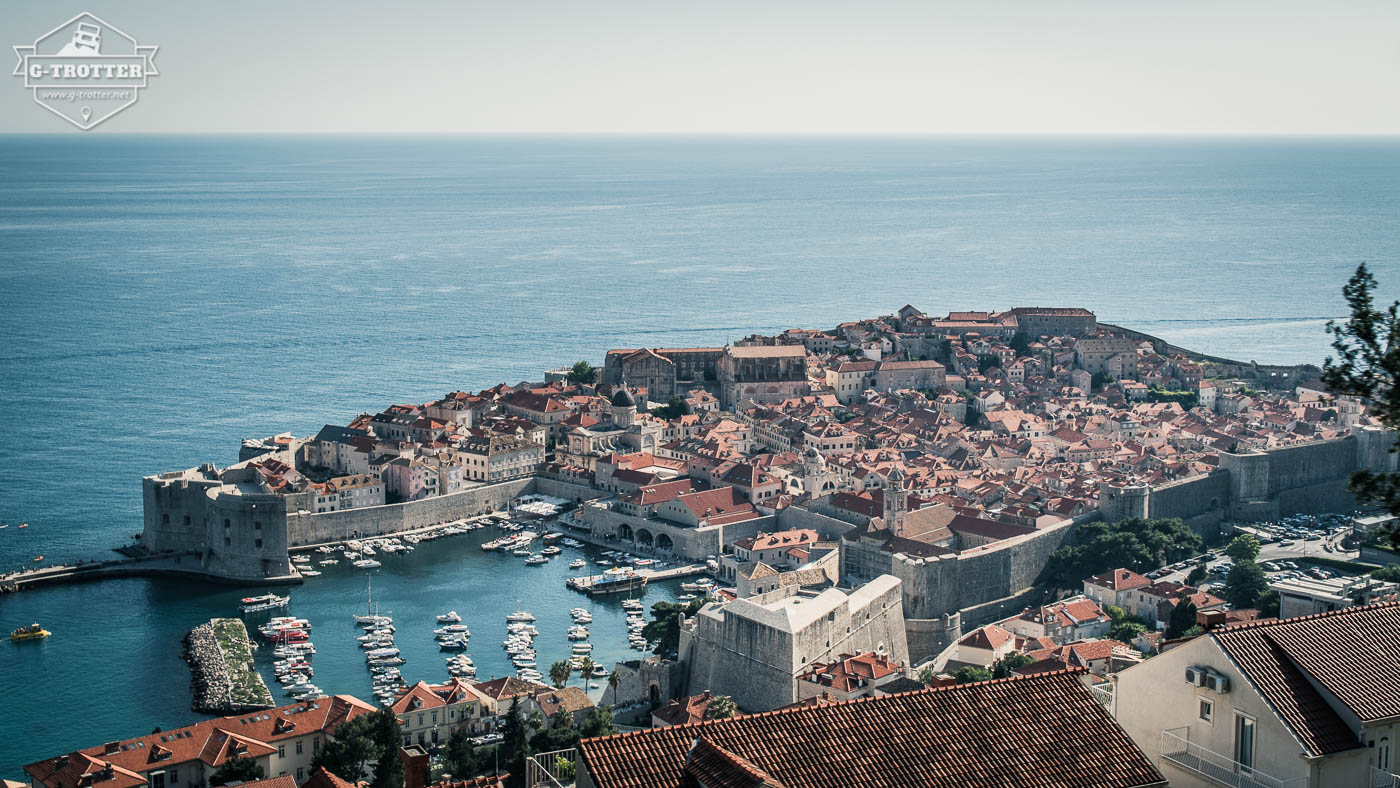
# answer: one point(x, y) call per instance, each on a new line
point(622, 399)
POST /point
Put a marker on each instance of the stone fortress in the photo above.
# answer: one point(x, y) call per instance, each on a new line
point(241, 528)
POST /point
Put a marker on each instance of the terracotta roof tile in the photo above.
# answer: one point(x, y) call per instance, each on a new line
point(1045, 731)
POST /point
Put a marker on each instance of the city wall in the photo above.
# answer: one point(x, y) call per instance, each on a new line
point(305, 528)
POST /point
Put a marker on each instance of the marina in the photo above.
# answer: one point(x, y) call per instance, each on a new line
point(144, 618)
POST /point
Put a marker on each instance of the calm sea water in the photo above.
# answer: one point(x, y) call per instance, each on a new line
point(161, 298)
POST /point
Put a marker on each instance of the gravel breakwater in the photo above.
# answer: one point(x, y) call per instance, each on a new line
point(222, 677)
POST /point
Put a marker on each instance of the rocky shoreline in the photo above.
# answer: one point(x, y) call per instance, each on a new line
point(213, 681)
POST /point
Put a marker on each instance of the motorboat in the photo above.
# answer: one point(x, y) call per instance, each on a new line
point(583, 648)
point(536, 560)
point(450, 617)
point(366, 563)
point(577, 563)
point(309, 573)
point(31, 632)
point(387, 652)
point(452, 629)
point(256, 604)
point(551, 550)
point(453, 644)
point(520, 615)
point(598, 672)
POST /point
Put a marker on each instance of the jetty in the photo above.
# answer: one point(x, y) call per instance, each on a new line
point(637, 578)
point(222, 677)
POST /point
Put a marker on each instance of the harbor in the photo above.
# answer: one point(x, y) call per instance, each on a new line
point(138, 624)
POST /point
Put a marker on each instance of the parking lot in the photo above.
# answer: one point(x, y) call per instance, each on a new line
point(1284, 544)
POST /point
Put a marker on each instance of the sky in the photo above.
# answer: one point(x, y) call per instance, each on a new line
point(722, 67)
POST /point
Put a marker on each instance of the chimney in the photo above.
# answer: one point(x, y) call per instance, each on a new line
point(415, 766)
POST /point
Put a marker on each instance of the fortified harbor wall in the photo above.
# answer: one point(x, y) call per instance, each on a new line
point(1259, 485)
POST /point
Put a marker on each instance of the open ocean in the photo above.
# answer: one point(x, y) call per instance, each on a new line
point(163, 297)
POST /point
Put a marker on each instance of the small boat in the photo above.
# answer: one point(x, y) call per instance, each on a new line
point(382, 653)
point(37, 558)
point(603, 562)
point(598, 672)
point(450, 617)
point(551, 550)
point(520, 615)
point(254, 604)
point(310, 573)
point(536, 560)
point(520, 551)
point(453, 644)
point(452, 629)
point(593, 685)
point(367, 563)
point(686, 597)
point(31, 632)
point(583, 648)
point(24, 525)
point(328, 562)
point(577, 563)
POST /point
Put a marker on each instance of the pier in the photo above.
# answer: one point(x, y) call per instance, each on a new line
point(587, 583)
point(184, 565)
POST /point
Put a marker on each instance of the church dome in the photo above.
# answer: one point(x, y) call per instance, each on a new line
point(622, 399)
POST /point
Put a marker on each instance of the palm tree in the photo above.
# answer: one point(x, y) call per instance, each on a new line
point(559, 673)
point(721, 707)
point(585, 669)
point(613, 680)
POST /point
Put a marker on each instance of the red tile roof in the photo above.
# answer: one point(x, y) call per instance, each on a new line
point(323, 778)
point(1046, 731)
point(1352, 654)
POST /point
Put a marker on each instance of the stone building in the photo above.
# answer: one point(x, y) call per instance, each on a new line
point(1038, 321)
point(665, 372)
point(762, 374)
point(754, 649)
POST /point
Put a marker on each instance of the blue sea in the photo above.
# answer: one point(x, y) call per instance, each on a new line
point(163, 297)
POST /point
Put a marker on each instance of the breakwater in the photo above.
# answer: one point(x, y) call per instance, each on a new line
point(223, 679)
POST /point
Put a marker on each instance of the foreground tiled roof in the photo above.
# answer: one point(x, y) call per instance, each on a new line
point(1354, 654)
point(1044, 731)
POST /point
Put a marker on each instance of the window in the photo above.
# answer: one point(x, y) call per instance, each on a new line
point(165, 519)
point(1383, 754)
point(1207, 709)
point(187, 519)
point(1244, 743)
point(174, 775)
point(316, 744)
point(300, 770)
point(257, 543)
point(157, 779)
point(281, 751)
point(298, 746)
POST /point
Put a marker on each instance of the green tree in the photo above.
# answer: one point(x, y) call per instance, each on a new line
point(1244, 585)
point(1242, 548)
point(460, 756)
point(582, 373)
point(599, 722)
point(585, 668)
point(721, 707)
point(350, 751)
point(1125, 631)
point(927, 676)
point(673, 409)
point(664, 629)
point(1268, 604)
point(515, 740)
point(1390, 573)
point(239, 770)
point(1183, 617)
point(1115, 613)
point(384, 732)
point(560, 734)
point(1193, 632)
point(1004, 666)
point(1368, 359)
point(1196, 575)
point(970, 673)
point(1135, 543)
point(559, 673)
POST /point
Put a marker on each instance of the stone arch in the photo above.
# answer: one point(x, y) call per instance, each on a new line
point(1214, 504)
point(654, 693)
point(624, 531)
point(644, 537)
point(664, 542)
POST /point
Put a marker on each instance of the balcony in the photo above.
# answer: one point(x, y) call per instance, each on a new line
point(1222, 769)
point(1383, 779)
point(556, 769)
